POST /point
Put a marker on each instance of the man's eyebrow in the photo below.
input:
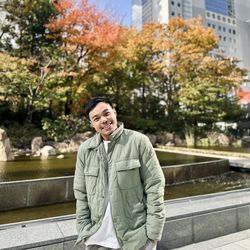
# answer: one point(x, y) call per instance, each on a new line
point(104, 111)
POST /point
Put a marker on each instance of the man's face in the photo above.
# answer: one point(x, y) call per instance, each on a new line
point(103, 119)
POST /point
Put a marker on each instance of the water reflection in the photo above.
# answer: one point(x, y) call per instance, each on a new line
point(24, 168)
point(35, 213)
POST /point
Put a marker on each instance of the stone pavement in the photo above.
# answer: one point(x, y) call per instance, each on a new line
point(235, 241)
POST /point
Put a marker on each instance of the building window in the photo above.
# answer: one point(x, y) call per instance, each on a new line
point(179, 5)
point(213, 25)
point(213, 15)
point(233, 21)
point(224, 29)
point(208, 14)
point(218, 17)
point(224, 19)
point(172, 13)
point(229, 20)
point(172, 2)
point(216, 6)
point(234, 32)
point(219, 27)
point(209, 24)
point(230, 31)
point(224, 38)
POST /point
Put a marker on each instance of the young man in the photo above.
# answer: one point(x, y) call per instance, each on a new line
point(118, 185)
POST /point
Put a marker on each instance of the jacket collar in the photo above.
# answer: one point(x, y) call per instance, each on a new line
point(97, 139)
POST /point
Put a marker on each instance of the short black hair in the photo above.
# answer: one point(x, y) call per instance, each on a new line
point(93, 102)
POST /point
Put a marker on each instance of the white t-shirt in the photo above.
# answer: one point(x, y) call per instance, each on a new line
point(105, 236)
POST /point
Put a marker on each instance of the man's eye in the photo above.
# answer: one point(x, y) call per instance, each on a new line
point(107, 113)
point(96, 120)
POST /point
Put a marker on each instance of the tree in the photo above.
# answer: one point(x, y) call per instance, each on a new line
point(205, 96)
point(194, 84)
point(25, 20)
point(26, 37)
point(88, 37)
point(204, 81)
point(16, 79)
point(117, 81)
point(137, 55)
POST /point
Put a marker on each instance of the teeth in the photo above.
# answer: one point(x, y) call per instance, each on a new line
point(107, 126)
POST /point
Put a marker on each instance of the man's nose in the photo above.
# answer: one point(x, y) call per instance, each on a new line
point(103, 119)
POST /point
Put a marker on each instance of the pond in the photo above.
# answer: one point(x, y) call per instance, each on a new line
point(24, 168)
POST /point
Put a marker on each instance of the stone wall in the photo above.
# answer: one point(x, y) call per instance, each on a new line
point(193, 171)
point(31, 193)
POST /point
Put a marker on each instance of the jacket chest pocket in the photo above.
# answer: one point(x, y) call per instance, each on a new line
point(128, 175)
point(91, 176)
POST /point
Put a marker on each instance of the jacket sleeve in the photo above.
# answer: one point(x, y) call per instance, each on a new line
point(83, 220)
point(154, 186)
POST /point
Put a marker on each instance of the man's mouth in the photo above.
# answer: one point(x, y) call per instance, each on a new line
point(107, 126)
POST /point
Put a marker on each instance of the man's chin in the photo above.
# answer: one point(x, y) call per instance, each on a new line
point(108, 131)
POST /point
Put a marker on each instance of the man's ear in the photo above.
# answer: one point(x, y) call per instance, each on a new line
point(114, 111)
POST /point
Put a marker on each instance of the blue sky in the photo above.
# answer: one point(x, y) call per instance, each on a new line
point(121, 9)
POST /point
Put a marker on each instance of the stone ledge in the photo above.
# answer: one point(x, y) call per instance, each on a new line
point(219, 242)
point(203, 152)
point(30, 237)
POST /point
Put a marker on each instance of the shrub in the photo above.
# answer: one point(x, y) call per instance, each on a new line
point(22, 135)
point(64, 127)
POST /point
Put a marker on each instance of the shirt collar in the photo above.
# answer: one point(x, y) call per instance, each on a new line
point(97, 139)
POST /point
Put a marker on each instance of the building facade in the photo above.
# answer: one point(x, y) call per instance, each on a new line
point(229, 18)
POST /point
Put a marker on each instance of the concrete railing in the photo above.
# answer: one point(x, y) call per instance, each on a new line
point(188, 220)
point(31, 193)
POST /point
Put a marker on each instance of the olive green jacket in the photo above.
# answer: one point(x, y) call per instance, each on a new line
point(135, 190)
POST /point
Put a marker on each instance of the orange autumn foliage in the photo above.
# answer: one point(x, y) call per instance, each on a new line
point(81, 24)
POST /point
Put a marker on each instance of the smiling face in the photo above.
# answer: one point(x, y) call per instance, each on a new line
point(103, 119)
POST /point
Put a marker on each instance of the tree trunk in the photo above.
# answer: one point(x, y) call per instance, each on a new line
point(30, 111)
point(190, 136)
point(143, 100)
